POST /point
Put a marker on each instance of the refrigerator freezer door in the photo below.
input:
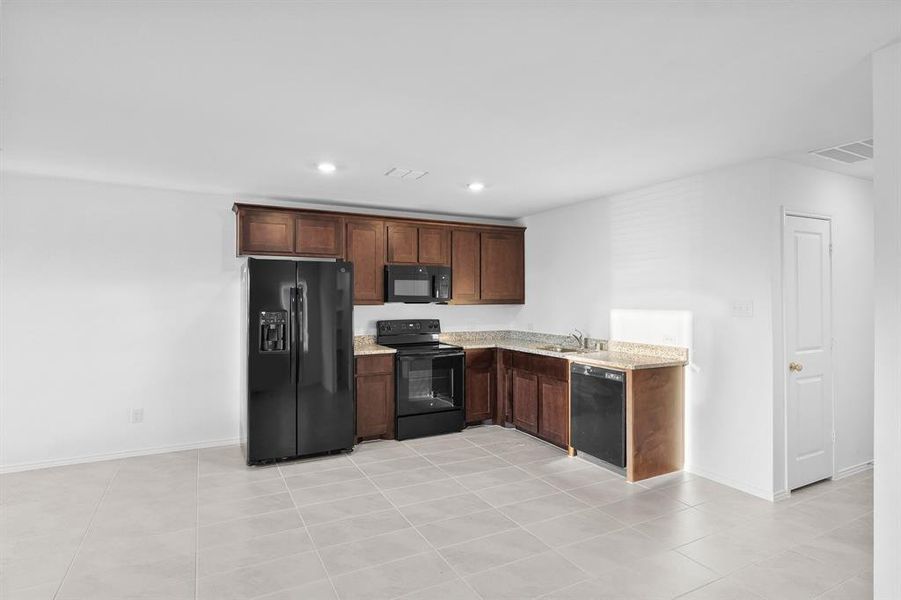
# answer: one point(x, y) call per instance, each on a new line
point(271, 405)
point(325, 401)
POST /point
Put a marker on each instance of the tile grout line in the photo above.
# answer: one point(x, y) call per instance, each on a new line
point(87, 530)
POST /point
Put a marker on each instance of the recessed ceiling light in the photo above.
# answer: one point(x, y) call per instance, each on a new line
point(326, 167)
point(476, 186)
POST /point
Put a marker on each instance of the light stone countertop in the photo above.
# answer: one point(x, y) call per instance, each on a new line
point(618, 355)
point(364, 345)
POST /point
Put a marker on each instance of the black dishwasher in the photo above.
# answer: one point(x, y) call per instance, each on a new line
point(598, 413)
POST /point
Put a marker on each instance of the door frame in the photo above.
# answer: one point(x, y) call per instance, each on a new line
point(787, 212)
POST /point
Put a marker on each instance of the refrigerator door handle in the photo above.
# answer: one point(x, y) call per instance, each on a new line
point(293, 335)
point(301, 333)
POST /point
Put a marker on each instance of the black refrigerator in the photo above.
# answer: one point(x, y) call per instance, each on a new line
point(299, 373)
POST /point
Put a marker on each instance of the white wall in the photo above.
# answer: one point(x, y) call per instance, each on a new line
point(113, 298)
point(887, 483)
point(703, 244)
point(453, 318)
point(154, 268)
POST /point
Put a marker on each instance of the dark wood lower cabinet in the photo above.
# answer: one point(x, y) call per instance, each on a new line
point(525, 400)
point(374, 389)
point(480, 385)
point(538, 392)
point(553, 410)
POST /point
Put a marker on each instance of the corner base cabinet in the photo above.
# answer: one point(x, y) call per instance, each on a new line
point(374, 391)
point(539, 396)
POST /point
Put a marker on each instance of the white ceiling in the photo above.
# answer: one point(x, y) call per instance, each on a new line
point(546, 102)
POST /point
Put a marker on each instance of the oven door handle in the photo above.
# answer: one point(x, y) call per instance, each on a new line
point(408, 356)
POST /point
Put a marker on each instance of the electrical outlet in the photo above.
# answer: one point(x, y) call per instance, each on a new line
point(136, 415)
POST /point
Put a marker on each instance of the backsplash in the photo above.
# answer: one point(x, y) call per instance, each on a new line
point(511, 335)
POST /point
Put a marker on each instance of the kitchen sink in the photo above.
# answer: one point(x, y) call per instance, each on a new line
point(561, 349)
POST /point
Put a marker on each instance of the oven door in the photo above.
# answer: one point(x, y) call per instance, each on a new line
point(429, 383)
point(405, 283)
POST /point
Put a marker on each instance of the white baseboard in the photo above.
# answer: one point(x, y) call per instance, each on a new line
point(738, 485)
point(781, 495)
point(115, 455)
point(840, 474)
point(852, 470)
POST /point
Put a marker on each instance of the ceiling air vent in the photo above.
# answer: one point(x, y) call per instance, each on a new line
point(400, 173)
point(848, 153)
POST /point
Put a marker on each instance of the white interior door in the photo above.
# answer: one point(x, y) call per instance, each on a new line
point(807, 281)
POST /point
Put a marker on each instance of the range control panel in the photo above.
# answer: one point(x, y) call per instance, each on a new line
point(407, 327)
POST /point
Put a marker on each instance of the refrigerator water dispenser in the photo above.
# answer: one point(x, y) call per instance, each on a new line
point(273, 331)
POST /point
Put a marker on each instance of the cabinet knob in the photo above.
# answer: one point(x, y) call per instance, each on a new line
point(795, 367)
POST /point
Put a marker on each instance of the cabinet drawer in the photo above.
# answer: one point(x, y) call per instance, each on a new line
point(480, 358)
point(372, 365)
point(548, 366)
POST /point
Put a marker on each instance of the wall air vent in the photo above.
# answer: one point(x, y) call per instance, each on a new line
point(400, 173)
point(848, 153)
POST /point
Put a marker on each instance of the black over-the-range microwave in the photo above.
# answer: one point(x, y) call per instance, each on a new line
point(414, 283)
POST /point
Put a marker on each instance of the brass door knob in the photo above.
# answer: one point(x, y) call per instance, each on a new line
point(795, 367)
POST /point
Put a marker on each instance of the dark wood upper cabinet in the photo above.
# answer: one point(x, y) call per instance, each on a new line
point(366, 250)
point(525, 400)
point(502, 267)
point(487, 260)
point(403, 243)
point(434, 246)
point(553, 413)
point(316, 235)
point(465, 263)
point(266, 232)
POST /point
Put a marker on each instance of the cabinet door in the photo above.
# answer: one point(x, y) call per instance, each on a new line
point(403, 244)
point(478, 395)
point(552, 413)
point(480, 385)
point(375, 406)
point(316, 235)
point(434, 246)
point(366, 250)
point(266, 232)
point(503, 413)
point(503, 267)
point(525, 401)
point(465, 262)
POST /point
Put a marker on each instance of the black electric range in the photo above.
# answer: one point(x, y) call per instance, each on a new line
point(429, 392)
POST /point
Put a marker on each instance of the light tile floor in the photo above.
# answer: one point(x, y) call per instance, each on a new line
point(487, 513)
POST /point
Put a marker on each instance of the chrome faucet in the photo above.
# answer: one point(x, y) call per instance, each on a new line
point(578, 336)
